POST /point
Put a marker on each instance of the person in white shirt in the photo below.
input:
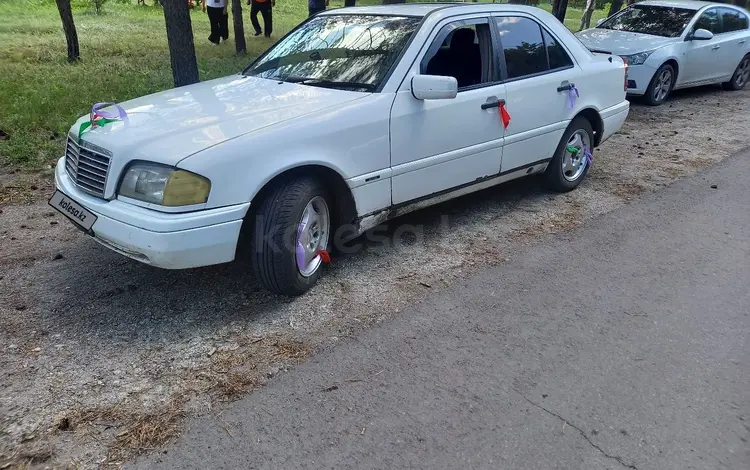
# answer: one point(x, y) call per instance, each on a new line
point(219, 19)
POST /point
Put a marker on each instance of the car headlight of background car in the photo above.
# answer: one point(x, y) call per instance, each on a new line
point(637, 59)
point(163, 185)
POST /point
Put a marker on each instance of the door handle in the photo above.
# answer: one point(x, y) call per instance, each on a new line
point(715, 48)
point(492, 104)
point(565, 86)
point(741, 42)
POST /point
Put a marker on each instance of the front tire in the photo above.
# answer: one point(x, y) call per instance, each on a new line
point(740, 77)
point(570, 164)
point(291, 225)
point(661, 85)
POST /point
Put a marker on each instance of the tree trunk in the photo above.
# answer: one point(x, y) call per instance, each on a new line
point(614, 7)
point(587, 12)
point(71, 36)
point(181, 45)
point(559, 8)
point(239, 27)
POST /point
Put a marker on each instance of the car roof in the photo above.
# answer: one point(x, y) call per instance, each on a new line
point(687, 4)
point(423, 9)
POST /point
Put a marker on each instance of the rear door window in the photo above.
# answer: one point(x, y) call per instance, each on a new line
point(528, 48)
point(732, 20)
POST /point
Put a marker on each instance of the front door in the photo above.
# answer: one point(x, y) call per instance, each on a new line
point(437, 145)
point(702, 60)
point(540, 75)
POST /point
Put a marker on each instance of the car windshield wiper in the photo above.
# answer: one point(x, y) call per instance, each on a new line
point(327, 83)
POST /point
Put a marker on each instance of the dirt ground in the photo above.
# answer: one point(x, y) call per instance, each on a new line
point(102, 357)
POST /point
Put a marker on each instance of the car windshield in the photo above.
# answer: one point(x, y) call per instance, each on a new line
point(351, 52)
point(647, 19)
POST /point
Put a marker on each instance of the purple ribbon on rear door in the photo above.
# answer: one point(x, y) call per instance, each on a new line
point(572, 95)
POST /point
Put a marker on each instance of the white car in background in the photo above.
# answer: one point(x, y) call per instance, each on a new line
point(676, 44)
point(356, 116)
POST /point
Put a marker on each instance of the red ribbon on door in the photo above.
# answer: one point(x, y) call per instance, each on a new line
point(504, 115)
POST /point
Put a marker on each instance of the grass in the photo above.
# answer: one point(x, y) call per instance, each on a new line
point(124, 55)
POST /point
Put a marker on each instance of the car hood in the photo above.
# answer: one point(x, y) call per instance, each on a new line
point(622, 42)
point(169, 126)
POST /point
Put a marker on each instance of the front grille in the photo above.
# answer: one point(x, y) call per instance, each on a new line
point(87, 167)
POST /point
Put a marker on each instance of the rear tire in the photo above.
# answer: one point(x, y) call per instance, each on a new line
point(294, 215)
point(567, 169)
point(661, 85)
point(740, 77)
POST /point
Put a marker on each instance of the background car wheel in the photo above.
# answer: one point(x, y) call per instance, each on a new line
point(291, 225)
point(741, 75)
point(569, 165)
point(661, 85)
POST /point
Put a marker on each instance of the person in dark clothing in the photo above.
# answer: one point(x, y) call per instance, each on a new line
point(219, 19)
point(316, 6)
point(264, 7)
point(349, 3)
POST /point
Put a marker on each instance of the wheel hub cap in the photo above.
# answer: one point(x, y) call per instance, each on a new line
point(574, 159)
point(312, 236)
point(743, 73)
point(663, 85)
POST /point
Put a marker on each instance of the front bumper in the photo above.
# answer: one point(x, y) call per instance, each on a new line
point(170, 241)
point(639, 77)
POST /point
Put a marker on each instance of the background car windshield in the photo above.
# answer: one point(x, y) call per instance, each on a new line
point(657, 21)
point(346, 51)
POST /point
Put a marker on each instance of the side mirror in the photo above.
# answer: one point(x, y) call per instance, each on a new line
point(701, 35)
point(434, 87)
point(602, 20)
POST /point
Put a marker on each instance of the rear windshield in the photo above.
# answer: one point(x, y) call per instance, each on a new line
point(668, 22)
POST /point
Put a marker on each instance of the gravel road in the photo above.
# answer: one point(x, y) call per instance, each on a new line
point(621, 345)
point(103, 357)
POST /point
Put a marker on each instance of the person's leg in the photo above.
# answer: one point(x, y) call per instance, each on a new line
point(315, 11)
point(224, 22)
point(213, 20)
point(254, 9)
point(267, 18)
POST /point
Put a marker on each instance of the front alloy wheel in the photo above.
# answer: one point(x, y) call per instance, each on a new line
point(291, 230)
point(660, 86)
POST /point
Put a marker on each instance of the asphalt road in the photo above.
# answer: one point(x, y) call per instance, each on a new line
point(620, 345)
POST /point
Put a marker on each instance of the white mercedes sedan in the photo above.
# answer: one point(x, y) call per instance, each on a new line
point(354, 117)
point(676, 44)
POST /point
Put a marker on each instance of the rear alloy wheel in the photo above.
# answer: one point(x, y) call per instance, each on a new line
point(571, 161)
point(740, 77)
point(661, 85)
point(291, 234)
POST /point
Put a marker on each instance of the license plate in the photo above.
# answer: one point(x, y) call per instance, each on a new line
point(72, 210)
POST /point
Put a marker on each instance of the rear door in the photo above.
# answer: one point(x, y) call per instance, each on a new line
point(539, 73)
point(735, 45)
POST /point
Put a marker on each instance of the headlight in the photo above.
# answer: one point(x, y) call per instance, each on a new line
point(637, 59)
point(158, 184)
